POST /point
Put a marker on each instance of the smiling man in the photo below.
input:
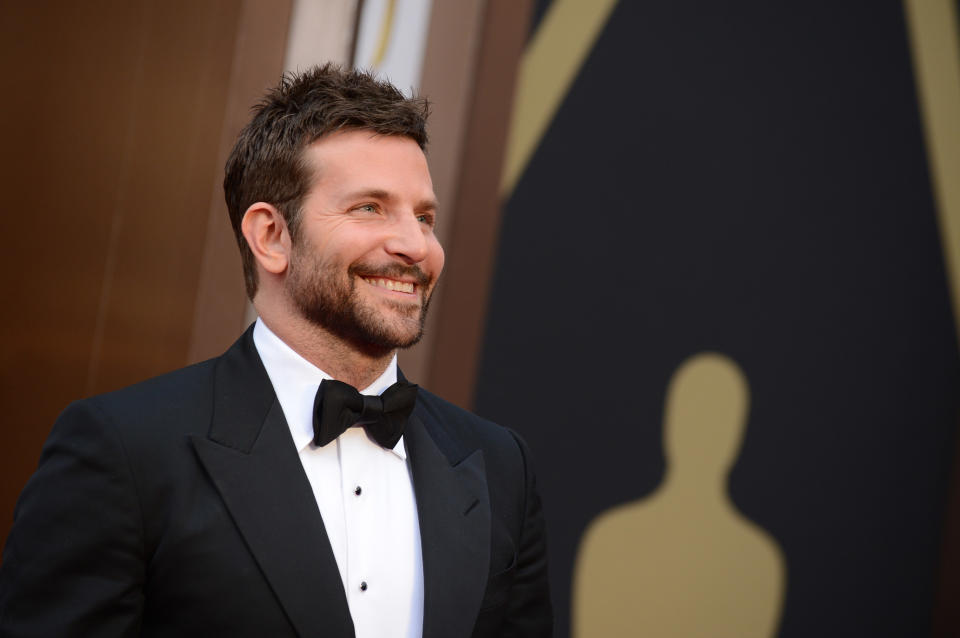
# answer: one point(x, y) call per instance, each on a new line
point(298, 485)
point(364, 259)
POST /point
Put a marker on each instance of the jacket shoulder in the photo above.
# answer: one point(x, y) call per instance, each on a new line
point(458, 421)
point(170, 397)
point(459, 432)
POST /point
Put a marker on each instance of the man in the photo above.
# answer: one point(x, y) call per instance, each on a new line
point(227, 499)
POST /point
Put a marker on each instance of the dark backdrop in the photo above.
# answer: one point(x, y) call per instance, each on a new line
point(752, 180)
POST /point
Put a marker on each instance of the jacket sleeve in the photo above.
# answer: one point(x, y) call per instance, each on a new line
point(529, 612)
point(74, 561)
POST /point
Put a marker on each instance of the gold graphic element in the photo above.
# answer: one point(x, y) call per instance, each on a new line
point(550, 63)
point(933, 35)
point(684, 562)
point(383, 41)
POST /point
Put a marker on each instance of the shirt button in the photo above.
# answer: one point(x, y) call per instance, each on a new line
point(357, 491)
point(363, 586)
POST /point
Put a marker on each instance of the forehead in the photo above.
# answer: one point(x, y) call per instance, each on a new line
point(355, 158)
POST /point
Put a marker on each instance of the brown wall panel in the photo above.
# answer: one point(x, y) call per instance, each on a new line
point(471, 244)
point(112, 123)
point(180, 91)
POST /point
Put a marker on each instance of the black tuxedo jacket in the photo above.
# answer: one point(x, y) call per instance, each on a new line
point(179, 507)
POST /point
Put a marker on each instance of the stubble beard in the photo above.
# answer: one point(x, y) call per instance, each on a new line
point(328, 298)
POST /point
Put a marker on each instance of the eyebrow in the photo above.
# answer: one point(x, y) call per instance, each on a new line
point(377, 193)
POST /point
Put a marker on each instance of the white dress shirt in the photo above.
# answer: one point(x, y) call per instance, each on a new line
point(365, 495)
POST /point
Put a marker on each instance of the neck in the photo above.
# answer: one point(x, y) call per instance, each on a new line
point(340, 359)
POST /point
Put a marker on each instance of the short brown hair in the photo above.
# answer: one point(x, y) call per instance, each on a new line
point(266, 164)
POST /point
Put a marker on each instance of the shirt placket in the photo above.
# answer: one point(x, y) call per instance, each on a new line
point(355, 489)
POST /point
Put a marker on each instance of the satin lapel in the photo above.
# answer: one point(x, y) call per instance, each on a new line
point(454, 513)
point(251, 459)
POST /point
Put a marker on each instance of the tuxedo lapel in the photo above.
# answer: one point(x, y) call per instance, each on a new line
point(250, 456)
point(454, 514)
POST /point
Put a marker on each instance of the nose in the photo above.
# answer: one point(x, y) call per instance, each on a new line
point(407, 239)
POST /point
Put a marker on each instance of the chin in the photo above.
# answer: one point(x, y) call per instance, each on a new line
point(375, 333)
point(397, 337)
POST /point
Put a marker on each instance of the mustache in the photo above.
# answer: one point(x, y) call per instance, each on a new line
point(391, 271)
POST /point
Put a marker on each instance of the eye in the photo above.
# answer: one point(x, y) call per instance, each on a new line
point(369, 208)
point(426, 218)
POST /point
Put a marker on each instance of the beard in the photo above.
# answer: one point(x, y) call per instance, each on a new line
point(328, 298)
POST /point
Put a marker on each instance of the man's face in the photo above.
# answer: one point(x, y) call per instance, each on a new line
point(365, 259)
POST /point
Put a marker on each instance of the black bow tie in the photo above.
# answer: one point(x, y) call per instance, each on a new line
point(339, 406)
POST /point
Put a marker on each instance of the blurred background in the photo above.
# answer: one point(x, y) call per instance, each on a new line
point(768, 192)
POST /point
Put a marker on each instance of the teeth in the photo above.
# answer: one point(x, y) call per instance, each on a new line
point(390, 284)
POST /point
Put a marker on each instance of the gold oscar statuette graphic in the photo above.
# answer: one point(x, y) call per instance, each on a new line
point(684, 561)
point(935, 47)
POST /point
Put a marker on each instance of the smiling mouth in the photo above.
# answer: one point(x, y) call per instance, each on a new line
point(391, 284)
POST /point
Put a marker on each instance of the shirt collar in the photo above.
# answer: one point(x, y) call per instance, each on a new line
point(295, 381)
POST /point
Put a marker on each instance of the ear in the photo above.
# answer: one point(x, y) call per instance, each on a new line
point(266, 233)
